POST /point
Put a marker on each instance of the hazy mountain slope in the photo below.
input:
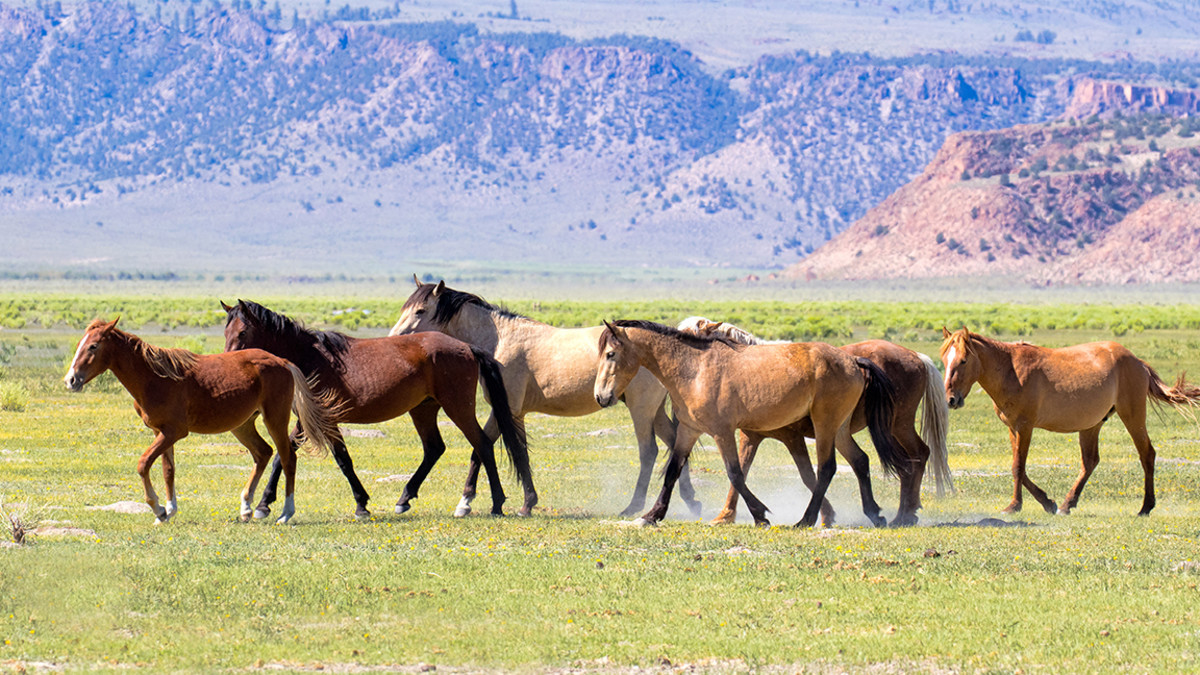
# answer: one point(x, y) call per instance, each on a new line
point(333, 142)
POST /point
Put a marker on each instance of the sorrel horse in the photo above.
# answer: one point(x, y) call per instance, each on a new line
point(718, 386)
point(546, 369)
point(1068, 390)
point(918, 384)
point(377, 379)
point(177, 392)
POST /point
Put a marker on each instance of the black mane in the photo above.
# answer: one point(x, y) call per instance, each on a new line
point(690, 339)
point(450, 301)
point(332, 343)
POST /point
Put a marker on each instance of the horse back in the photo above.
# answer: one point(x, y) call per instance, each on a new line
point(224, 390)
point(1068, 389)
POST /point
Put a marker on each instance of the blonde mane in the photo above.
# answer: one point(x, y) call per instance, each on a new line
point(172, 364)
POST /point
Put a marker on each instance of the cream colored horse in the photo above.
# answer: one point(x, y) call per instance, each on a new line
point(547, 370)
point(918, 384)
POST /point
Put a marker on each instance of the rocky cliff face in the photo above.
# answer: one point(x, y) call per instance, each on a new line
point(1104, 98)
point(1065, 202)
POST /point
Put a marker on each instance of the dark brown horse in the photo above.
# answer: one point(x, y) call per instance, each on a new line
point(177, 392)
point(718, 386)
point(1068, 390)
point(377, 379)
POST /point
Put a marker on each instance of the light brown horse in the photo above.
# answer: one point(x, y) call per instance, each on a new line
point(377, 379)
point(918, 384)
point(718, 386)
point(177, 392)
point(546, 369)
point(1068, 390)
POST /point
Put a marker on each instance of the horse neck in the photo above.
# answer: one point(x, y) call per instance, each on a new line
point(129, 366)
point(995, 366)
point(485, 328)
point(668, 359)
point(301, 350)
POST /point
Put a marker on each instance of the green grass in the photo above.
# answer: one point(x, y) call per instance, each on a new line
point(1097, 591)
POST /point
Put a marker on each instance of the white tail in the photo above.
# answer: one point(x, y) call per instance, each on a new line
point(935, 420)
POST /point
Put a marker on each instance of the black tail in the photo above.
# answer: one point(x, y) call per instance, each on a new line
point(880, 399)
point(513, 435)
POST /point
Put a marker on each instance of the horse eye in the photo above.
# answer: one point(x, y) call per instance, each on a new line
point(611, 355)
point(241, 335)
point(419, 312)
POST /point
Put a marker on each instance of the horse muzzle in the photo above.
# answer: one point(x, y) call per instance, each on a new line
point(74, 381)
point(605, 400)
point(955, 401)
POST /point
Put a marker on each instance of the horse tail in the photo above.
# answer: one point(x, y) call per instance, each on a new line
point(879, 395)
point(512, 433)
point(1183, 396)
point(316, 414)
point(935, 421)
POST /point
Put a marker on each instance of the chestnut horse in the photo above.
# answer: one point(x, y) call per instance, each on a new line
point(377, 379)
point(1067, 390)
point(177, 392)
point(546, 369)
point(918, 384)
point(718, 386)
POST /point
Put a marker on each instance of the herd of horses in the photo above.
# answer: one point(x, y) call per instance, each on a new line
point(721, 381)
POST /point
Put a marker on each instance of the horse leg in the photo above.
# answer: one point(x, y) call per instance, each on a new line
point(424, 419)
point(248, 436)
point(643, 428)
point(163, 439)
point(1135, 423)
point(1089, 447)
point(733, 469)
point(861, 465)
point(910, 481)
point(484, 448)
point(492, 429)
point(1020, 445)
point(168, 471)
point(747, 449)
point(275, 414)
point(793, 440)
point(685, 438)
point(269, 491)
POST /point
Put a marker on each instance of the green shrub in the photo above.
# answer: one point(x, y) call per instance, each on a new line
point(14, 396)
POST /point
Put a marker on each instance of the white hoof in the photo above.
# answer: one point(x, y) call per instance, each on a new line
point(642, 522)
point(402, 508)
point(462, 512)
point(284, 519)
point(259, 514)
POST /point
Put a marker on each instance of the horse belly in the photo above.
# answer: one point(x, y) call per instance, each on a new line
point(1069, 416)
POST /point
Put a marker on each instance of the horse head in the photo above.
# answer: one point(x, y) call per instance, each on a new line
point(617, 363)
point(419, 312)
point(92, 356)
point(242, 329)
point(962, 366)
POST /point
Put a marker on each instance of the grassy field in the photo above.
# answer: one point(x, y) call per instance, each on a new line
point(573, 588)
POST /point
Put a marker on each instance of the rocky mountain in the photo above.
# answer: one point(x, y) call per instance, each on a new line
point(1094, 201)
point(253, 139)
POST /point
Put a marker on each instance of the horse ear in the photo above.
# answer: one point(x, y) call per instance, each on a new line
point(112, 325)
point(416, 280)
point(247, 315)
point(945, 333)
point(226, 307)
point(440, 287)
point(617, 333)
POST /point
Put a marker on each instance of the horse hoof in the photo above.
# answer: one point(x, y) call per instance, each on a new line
point(764, 523)
point(461, 512)
point(1011, 509)
point(498, 513)
point(524, 512)
point(1051, 508)
point(695, 508)
point(362, 514)
point(1063, 511)
point(722, 520)
point(405, 508)
point(642, 522)
point(244, 518)
point(283, 520)
point(262, 512)
point(805, 523)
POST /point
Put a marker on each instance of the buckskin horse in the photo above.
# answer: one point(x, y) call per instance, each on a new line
point(918, 384)
point(177, 392)
point(718, 386)
point(1067, 390)
point(376, 379)
point(546, 369)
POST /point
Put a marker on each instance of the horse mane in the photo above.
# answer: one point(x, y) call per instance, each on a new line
point(332, 342)
point(690, 339)
point(450, 301)
point(692, 325)
point(967, 337)
point(171, 363)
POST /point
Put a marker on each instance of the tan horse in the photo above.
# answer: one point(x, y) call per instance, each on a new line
point(718, 386)
point(177, 392)
point(918, 384)
point(546, 369)
point(1068, 390)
